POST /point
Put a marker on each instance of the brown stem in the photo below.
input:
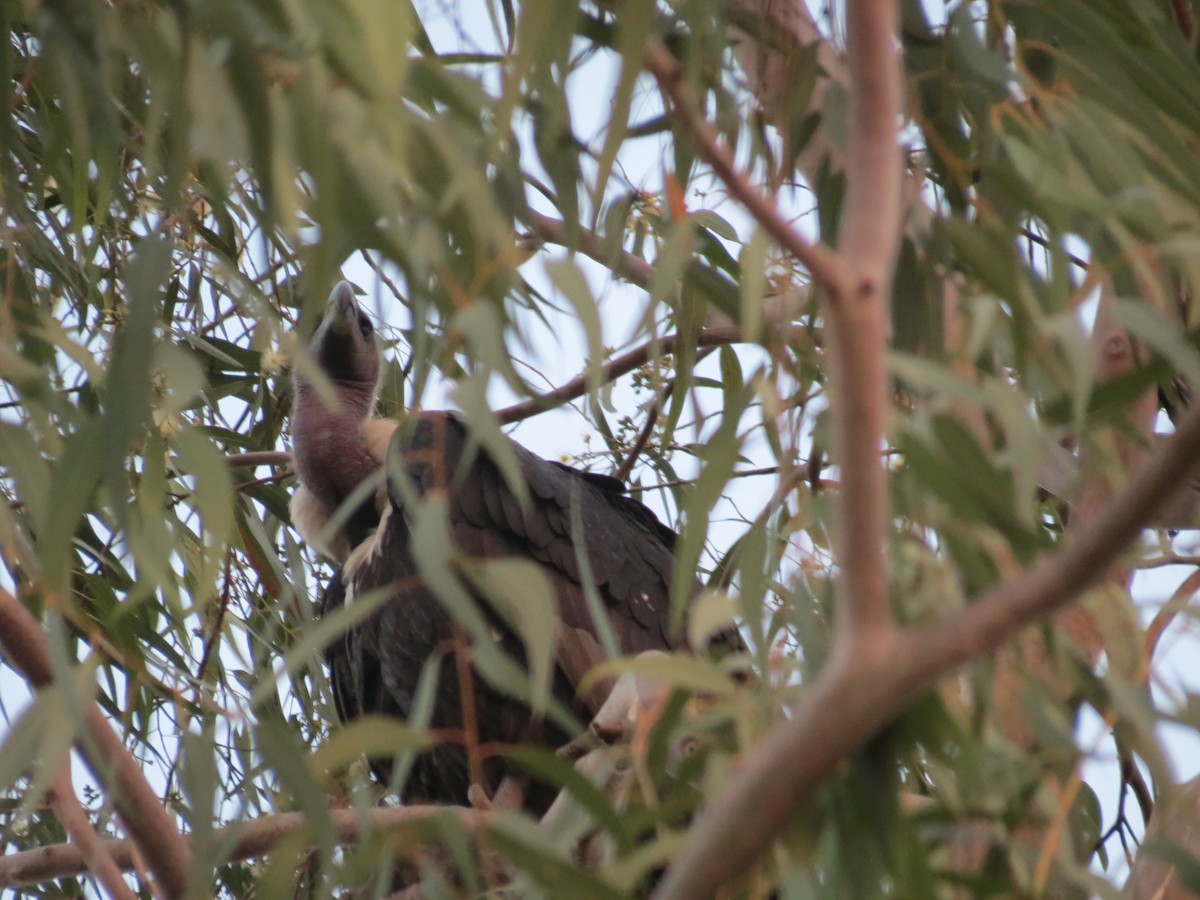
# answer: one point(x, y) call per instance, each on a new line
point(1162, 620)
point(260, 458)
point(24, 643)
point(632, 268)
point(865, 686)
point(868, 241)
point(625, 469)
point(74, 818)
point(252, 839)
point(578, 386)
point(826, 267)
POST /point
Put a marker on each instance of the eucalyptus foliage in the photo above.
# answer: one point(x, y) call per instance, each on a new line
point(183, 182)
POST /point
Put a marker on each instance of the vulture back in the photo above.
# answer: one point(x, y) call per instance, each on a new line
point(376, 667)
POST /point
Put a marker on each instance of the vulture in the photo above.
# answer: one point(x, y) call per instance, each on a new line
point(375, 667)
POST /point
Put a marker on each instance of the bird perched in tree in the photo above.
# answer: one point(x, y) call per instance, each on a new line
point(337, 443)
point(376, 666)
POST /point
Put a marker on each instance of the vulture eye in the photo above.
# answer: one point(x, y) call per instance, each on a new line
point(364, 326)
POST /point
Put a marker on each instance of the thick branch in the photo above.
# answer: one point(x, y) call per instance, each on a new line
point(870, 227)
point(24, 643)
point(1057, 580)
point(92, 851)
point(253, 839)
point(863, 688)
point(869, 237)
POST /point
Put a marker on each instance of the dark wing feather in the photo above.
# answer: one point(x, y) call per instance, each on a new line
point(354, 671)
point(629, 551)
point(381, 662)
point(338, 655)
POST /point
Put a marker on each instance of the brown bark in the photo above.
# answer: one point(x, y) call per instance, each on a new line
point(862, 688)
point(152, 829)
point(251, 840)
point(74, 819)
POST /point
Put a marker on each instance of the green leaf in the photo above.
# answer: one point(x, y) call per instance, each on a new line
point(678, 670)
point(316, 637)
point(37, 741)
point(753, 264)
point(633, 28)
point(433, 551)
point(568, 279)
point(369, 736)
point(711, 613)
point(214, 489)
point(524, 843)
point(521, 592)
point(471, 396)
point(1161, 334)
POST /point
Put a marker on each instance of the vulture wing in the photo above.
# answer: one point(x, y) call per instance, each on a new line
point(379, 665)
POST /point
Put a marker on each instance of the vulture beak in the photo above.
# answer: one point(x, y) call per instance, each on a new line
point(344, 342)
point(341, 311)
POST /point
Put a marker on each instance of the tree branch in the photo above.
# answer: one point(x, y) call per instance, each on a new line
point(252, 839)
point(864, 687)
point(632, 268)
point(260, 458)
point(92, 851)
point(625, 469)
point(868, 239)
point(826, 268)
point(24, 643)
point(713, 336)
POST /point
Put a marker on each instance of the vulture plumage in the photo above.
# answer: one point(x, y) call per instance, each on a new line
point(376, 667)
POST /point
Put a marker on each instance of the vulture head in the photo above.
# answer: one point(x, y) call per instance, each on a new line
point(344, 348)
point(337, 446)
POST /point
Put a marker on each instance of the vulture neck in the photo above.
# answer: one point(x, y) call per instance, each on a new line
point(330, 447)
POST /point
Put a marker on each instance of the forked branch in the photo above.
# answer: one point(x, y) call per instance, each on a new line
point(856, 695)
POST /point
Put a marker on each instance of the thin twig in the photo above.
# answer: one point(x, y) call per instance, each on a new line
point(23, 641)
point(1030, 235)
point(745, 473)
point(1132, 775)
point(383, 276)
point(622, 365)
point(259, 458)
point(268, 479)
point(1162, 620)
point(625, 469)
